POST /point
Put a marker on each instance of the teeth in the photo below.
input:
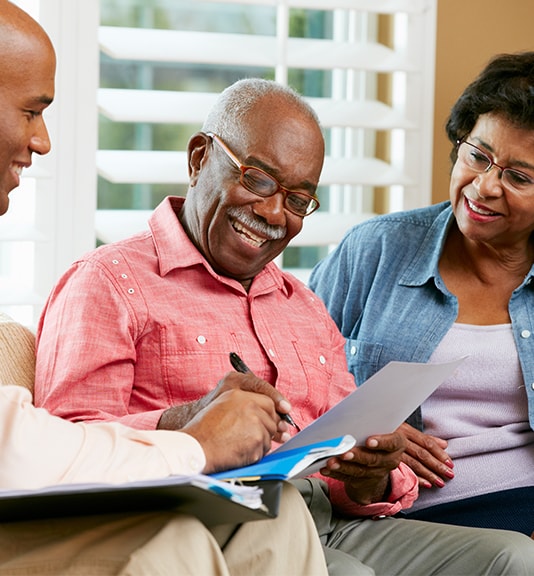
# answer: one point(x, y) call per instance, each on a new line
point(18, 169)
point(251, 238)
point(479, 210)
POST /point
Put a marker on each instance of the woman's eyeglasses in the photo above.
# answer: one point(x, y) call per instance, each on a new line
point(479, 161)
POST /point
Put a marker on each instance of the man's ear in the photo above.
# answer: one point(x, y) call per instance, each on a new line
point(197, 152)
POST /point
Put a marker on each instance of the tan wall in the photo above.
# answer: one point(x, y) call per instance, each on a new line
point(469, 33)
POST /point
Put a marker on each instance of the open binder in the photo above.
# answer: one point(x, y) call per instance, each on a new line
point(296, 463)
point(204, 499)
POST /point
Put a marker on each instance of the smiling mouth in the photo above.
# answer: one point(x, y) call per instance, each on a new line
point(17, 168)
point(479, 210)
point(248, 236)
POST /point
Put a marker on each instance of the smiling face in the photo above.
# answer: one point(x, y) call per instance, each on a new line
point(27, 69)
point(485, 210)
point(237, 231)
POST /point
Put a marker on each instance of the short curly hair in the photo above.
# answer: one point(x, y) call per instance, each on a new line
point(505, 87)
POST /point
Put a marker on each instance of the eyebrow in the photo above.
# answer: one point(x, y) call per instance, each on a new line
point(513, 163)
point(304, 185)
point(43, 99)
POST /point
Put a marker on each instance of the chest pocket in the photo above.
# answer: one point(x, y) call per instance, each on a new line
point(193, 359)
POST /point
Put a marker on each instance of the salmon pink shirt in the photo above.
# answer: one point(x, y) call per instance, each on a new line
point(143, 324)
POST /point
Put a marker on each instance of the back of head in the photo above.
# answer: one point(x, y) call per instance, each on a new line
point(505, 88)
point(227, 118)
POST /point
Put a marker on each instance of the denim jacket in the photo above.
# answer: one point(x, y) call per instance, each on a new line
point(383, 289)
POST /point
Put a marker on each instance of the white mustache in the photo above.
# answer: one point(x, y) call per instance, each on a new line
point(258, 226)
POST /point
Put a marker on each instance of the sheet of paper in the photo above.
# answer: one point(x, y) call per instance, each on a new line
point(379, 406)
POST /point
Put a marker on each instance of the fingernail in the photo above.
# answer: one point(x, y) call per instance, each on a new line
point(449, 473)
point(427, 484)
point(449, 463)
point(286, 436)
point(372, 443)
point(439, 482)
point(285, 405)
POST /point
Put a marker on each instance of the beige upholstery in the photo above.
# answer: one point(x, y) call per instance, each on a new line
point(17, 353)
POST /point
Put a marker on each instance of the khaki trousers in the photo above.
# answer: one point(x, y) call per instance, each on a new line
point(401, 547)
point(165, 543)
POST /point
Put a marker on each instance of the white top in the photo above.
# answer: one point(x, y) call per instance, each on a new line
point(482, 412)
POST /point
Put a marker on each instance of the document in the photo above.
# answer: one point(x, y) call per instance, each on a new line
point(378, 406)
point(295, 463)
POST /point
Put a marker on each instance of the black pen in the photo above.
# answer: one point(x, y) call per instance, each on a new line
point(240, 366)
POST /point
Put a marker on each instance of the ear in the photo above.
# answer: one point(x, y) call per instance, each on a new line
point(197, 152)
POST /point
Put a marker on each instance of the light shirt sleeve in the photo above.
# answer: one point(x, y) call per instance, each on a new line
point(38, 449)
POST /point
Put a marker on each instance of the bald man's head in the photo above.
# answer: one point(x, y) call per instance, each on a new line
point(27, 70)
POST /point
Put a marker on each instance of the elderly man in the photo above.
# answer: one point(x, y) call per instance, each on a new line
point(37, 449)
point(140, 332)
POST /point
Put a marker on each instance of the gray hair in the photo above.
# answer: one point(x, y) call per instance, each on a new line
point(227, 116)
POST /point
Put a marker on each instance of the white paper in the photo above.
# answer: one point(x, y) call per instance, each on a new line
point(379, 406)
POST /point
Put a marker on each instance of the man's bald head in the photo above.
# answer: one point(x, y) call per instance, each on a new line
point(27, 71)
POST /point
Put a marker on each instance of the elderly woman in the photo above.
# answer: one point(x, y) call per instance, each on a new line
point(452, 280)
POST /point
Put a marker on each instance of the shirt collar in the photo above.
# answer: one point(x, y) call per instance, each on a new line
point(175, 250)
point(424, 264)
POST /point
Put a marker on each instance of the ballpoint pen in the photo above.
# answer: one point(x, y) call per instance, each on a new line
point(240, 366)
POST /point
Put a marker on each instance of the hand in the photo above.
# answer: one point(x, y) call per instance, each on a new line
point(365, 470)
point(426, 456)
point(176, 417)
point(235, 429)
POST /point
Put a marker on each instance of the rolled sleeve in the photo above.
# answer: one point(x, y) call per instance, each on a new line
point(404, 491)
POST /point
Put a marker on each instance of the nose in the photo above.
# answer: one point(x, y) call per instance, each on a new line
point(489, 183)
point(40, 141)
point(271, 209)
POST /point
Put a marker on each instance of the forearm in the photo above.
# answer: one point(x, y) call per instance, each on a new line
point(177, 417)
point(38, 449)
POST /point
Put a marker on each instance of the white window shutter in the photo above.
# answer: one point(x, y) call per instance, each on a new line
point(55, 217)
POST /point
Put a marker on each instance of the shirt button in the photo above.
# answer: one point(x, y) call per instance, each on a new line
point(271, 352)
point(525, 333)
point(201, 339)
point(322, 359)
point(124, 275)
point(115, 261)
point(131, 290)
point(353, 350)
point(532, 385)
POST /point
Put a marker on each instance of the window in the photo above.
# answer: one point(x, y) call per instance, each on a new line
point(367, 66)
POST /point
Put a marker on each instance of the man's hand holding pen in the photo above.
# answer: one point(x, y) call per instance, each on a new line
point(245, 415)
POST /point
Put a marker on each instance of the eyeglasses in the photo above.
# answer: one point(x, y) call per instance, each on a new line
point(479, 161)
point(262, 184)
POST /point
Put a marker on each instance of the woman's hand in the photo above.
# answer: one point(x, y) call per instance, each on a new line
point(426, 456)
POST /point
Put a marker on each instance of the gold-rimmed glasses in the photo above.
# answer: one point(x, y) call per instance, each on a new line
point(258, 182)
point(479, 161)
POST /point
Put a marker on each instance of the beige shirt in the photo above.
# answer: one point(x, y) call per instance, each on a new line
point(37, 449)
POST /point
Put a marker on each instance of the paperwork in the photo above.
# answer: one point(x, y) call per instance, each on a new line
point(379, 406)
point(212, 501)
point(295, 463)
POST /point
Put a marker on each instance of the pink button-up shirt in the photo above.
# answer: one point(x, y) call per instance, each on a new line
point(143, 324)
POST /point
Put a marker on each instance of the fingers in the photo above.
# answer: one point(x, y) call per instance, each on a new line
point(426, 456)
point(236, 429)
point(251, 383)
